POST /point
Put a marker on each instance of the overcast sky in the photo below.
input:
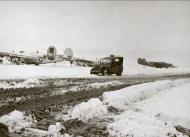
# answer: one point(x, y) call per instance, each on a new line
point(93, 29)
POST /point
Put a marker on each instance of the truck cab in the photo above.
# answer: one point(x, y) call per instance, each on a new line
point(108, 65)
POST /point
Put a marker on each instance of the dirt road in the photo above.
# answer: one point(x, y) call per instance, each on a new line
point(58, 95)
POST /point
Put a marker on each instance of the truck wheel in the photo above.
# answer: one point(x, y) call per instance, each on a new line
point(105, 72)
point(118, 74)
point(40, 59)
point(18, 62)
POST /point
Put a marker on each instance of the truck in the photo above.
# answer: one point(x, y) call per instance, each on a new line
point(108, 66)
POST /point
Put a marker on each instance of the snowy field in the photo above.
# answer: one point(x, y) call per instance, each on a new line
point(132, 68)
point(26, 71)
point(66, 70)
point(145, 110)
point(149, 107)
point(8, 71)
point(28, 83)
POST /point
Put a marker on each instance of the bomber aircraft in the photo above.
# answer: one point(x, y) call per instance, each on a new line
point(50, 57)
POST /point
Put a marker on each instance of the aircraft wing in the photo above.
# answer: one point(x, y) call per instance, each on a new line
point(83, 62)
point(26, 59)
point(21, 58)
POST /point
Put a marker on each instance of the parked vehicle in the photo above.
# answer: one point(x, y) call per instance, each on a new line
point(108, 65)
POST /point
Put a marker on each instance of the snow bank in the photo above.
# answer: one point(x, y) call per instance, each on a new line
point(121, 99)
point(54, 130)
point(148, 115)
point(5, 61)
point(104, 84)
point(96, 86)
point(137, 124)
point(26, 71)
point(89, 110)
point(172, 105)
point(28, 83)
point(32, 132)
point(16, 121)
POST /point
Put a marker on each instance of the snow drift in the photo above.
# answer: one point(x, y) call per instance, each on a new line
point(28, 83)
point(151, 109)
point(121, 99)
point(89, 110)
point(16, 121)
point(137, 124)
point(96, 86)
point(171, 105)
point(5, 61)
point(54, 130)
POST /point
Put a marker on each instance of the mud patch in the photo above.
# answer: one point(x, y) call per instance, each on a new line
point(79, 128)
point(4, 130)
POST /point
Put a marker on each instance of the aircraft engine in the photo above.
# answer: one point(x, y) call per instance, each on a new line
point(51, 53)
point(68, 52)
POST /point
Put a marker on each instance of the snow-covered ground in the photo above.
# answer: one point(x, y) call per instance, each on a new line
point(28, 83)
point(16, 121)
point(19, 122)
point(86, 87)
point(146, 110)
point(65, 70)
point(150, 111)
point(123, 98)
point(26, 71)
point(89, 110)
point(171, 105)
point(4, 61)
point(136, 69)
point(96, 86)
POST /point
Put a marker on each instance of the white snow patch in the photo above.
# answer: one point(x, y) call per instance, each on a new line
point(148, 115)
point(89, 110)
point(54, 130)
point(16, 121)
point(28, 83)
point(135, 69)
point(32, 132)
point(58, 92)
point(85, 87)
point(64, 70)
point(172, 105)
point(137, 124)
point(123, 98)
point(96, 86)
point(5, 60)
point(104, 84)
point(27, 71)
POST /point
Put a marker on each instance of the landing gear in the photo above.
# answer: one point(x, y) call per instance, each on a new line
point(105, 72)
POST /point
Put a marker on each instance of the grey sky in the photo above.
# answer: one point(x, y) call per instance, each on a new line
point(92, 28)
